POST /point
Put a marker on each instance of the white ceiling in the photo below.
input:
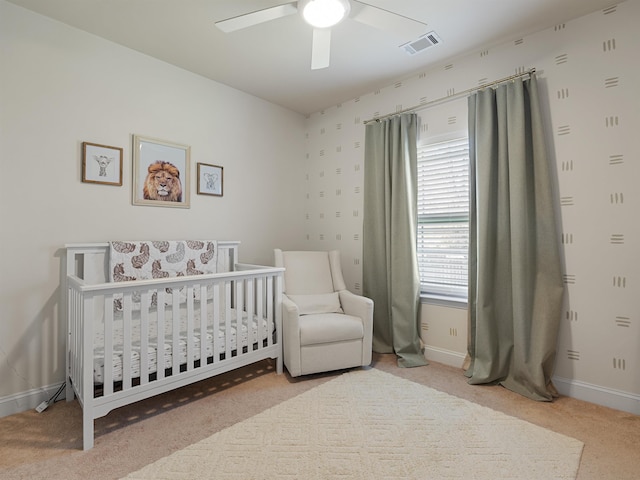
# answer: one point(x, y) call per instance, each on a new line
point(272, 60)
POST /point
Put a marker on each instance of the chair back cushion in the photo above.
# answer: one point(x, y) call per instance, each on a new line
point(317, 303)
point(307, 273)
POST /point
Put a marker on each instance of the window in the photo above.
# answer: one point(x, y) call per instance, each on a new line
point(443, 219)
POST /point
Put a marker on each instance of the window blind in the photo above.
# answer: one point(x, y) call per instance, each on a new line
point(443, 218)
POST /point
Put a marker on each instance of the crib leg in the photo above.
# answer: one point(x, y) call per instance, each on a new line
point(87, 431)
point(279, 364)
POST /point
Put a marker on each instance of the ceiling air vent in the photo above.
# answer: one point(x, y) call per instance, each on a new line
point(422, 43)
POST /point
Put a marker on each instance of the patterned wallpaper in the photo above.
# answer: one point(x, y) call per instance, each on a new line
point(588, 78)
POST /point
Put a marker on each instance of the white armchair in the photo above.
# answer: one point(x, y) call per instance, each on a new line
point(325, 327)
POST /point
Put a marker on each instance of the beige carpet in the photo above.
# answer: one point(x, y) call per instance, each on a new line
point(368, 424)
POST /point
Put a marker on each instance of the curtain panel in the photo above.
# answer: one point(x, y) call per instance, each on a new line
point(515, 277)
point(390, 265)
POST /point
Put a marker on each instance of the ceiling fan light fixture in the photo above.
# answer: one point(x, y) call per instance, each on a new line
point(324, 13)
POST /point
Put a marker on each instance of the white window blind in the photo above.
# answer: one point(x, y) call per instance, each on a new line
point(443, 218)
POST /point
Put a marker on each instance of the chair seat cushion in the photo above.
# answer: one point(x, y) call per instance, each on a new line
point(329, 328)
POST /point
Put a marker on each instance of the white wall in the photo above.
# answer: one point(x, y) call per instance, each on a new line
point(61, 86)
point(588, 74)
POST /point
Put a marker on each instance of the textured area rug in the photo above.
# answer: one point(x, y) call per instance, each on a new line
point(368, 424)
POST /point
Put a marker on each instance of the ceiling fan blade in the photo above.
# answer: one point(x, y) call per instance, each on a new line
point(321, 48)
point(254, 18)
point(404, 27)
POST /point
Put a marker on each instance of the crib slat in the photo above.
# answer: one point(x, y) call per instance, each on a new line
point(270, 309)
point(203, 324)
point(86, 349)
point(107, 330)
point(160, 351)
point(249, 309)
point(190, 333)
point(145, 303)
point(239, 304)
point(216, 322)
point(260, 310)
point(126, 341)
point(175, 320)
point(227, 320)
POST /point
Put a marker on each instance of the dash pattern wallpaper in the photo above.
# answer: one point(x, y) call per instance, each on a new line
point(588, 76)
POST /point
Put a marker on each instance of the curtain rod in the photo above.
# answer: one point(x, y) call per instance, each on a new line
point(451, 97)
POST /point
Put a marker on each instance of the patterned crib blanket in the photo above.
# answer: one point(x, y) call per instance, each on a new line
point(143, 260)
point(164, 259)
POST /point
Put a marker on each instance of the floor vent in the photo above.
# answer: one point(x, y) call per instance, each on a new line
point(422, 43)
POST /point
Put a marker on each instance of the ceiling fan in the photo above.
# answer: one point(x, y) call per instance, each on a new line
point(324, 14)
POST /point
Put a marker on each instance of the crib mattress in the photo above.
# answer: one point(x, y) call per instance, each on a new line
point(248, 336)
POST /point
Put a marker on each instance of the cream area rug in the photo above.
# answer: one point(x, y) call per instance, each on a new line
point(368, 424)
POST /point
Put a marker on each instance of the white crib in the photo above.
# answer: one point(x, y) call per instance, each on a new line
point(197, 326)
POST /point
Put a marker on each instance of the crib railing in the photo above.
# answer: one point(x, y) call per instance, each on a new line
point(233, 299)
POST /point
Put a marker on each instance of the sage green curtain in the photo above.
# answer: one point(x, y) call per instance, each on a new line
point(390, 262)
point(515, 279)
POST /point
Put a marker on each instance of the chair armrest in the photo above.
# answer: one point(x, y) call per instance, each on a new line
point(289, 308)
point(356, 305)
point(361, 307)
point(291, 336)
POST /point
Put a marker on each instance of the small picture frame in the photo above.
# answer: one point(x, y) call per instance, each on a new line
point(160, 173)
point(101, 164)
point(210, 179)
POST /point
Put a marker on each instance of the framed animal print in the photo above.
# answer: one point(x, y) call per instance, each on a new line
point(210, 179)
point(101, 164)
point(160, 173)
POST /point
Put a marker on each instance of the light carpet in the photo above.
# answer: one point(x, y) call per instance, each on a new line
point(368, 424)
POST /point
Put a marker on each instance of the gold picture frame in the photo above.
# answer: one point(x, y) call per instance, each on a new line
point(210, 179)
point(160, 173)
point(101, 164)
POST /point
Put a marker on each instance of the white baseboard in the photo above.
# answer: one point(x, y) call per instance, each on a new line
point(447, 357)
point(607, 397)
point(21, 402)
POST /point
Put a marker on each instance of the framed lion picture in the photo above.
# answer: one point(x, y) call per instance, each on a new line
point(160, 173)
